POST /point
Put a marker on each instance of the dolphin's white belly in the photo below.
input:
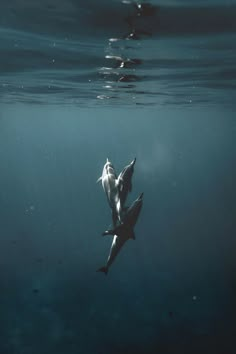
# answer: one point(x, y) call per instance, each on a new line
point(110, 187)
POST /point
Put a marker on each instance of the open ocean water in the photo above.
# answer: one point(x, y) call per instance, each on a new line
point(81, 81)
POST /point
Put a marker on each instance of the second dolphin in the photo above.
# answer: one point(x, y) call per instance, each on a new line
point(123, 232)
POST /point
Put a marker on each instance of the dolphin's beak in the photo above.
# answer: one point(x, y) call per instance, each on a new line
point(133, 162)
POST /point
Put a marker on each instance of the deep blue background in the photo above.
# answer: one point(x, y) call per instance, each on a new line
point(174, 287)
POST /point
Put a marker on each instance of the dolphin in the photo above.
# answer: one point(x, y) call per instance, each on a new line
point(123, 232)
point(125, 182)
point(110, 186)
point(126, 228)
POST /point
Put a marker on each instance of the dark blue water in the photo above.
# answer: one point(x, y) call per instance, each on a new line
point(83, 81)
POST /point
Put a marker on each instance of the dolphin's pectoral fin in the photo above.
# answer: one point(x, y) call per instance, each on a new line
point(103, 270)
point(99, 179)
point(108, 232)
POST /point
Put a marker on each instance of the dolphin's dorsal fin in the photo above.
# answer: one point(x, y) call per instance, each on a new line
point(99, 179)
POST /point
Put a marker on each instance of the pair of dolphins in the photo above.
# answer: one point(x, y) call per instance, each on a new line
point(123, 218)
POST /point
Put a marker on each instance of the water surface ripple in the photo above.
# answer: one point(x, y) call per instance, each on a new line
point(117, 52)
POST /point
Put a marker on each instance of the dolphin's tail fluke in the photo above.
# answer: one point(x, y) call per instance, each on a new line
point(103, 270)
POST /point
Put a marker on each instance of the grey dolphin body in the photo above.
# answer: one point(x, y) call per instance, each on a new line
point(125, 182)
point(110, 186)
point(123, 232)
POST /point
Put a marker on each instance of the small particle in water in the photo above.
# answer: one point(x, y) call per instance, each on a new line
point(194, 297)
point(30, 209)
point(171, 314)
point(53, 60)
point(35, 290)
